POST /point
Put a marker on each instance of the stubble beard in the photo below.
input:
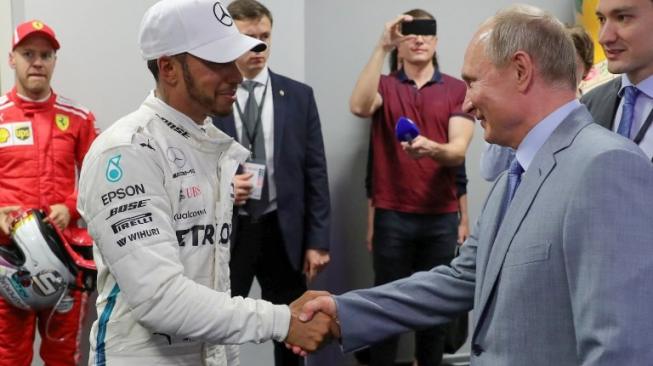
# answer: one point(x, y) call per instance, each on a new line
point(208, 103)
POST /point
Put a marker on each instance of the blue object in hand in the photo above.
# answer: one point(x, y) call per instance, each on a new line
point(406, 129)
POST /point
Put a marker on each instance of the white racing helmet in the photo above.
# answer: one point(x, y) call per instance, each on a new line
point(35, 269)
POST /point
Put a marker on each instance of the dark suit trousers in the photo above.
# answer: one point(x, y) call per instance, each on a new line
point(405, 243)
point(259, 252)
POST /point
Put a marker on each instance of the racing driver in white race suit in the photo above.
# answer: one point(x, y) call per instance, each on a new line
point(155, 191)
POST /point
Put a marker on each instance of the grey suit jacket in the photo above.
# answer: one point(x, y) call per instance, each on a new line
point(564, 280)
point(603, 102)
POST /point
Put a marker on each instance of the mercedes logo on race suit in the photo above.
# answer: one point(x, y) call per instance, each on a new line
point(221, 15)
point(176, 156)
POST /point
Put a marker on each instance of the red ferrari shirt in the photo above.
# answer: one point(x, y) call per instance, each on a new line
point(42, 145)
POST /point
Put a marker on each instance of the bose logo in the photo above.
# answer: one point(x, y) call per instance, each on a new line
point(127, 207)
point(174, 127)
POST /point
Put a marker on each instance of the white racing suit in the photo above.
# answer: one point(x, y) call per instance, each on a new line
point(156, 192)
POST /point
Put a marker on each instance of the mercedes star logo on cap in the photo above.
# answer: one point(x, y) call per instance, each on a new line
point(221, 15)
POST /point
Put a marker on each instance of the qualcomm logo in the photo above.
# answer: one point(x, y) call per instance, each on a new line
point(114, 172)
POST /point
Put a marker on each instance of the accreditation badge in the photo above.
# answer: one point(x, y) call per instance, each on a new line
point(257, 180)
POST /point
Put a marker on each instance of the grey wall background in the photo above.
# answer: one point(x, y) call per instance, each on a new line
point(323, 43)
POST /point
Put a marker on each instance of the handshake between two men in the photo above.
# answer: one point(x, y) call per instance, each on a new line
point(313, 322)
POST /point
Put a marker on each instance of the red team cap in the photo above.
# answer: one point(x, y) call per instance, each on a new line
point(31, 27)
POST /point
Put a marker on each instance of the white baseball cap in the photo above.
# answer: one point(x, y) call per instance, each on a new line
point(203, 28)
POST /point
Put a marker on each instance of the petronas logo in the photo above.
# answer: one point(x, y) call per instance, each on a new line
point(114, 172)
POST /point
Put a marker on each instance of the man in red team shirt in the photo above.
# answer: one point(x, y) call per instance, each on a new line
point(43, 140)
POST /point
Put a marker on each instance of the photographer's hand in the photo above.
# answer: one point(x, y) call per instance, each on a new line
point(392, 36)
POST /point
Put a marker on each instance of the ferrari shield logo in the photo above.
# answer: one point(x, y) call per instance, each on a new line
point(38, 25)
point(62, 121)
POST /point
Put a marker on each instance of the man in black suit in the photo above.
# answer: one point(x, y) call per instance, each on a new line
point(625, 104)
point(281, 234)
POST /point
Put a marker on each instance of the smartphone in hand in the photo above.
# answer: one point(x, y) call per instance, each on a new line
point(425, 27)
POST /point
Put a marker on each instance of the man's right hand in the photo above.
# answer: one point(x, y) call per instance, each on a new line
point(323, 304)
point(392, 36)
point(6, 219)
point(242, 188)
point(315, 310)
point(308, 336)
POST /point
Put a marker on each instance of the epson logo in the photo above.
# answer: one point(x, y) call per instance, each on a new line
point(121, 193)
point(127, 207)
point(174, 127)
point(123, 224)
point(184, 173)
point(189, 214)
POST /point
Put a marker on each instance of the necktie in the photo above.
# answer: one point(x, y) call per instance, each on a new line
point(253, 130)
point(628, 110)
point(514, 178)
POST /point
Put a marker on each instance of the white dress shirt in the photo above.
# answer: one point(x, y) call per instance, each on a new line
point(267, 121)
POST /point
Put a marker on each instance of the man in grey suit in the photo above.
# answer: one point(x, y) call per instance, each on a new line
point(558, 275)
point(625, 104)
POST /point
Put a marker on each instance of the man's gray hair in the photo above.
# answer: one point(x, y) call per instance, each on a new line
point(537, 33)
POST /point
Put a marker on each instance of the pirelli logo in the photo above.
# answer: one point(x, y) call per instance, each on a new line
point(123, 224)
